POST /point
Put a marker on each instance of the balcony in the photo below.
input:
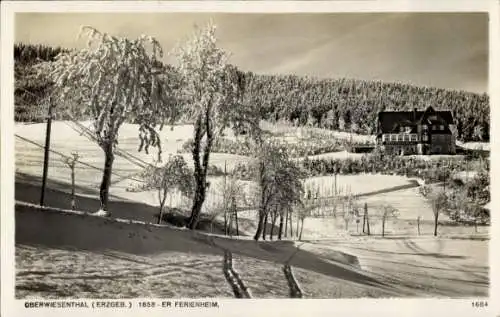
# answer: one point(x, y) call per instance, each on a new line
point(400, 138)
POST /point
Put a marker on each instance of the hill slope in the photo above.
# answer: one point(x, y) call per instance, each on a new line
point(337, 104)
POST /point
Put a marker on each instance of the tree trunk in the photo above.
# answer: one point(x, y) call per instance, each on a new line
point(291, 225)
point(162, 202)
point(286, 222)
point(367, 223)
point(260, 225)
point(200, 169)
point(106, 176)
point(418, 225)
point(73, 199)
point(364, 217)
point(273, 222)
point(436, 217)
point(265, 227)
point(236, 220)
point(383, 226)
point(297, 229)
point(225, 219)
point(199, 198)
point(160, 215)
point(301, 228)
point(280, 231)
point(225, 199)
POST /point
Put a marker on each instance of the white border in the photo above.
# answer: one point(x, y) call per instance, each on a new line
point(344, 307)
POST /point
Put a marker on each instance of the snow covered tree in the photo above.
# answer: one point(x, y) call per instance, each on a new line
point(349, 207)
point(439, 202)
point(174, 174)
point(114, 80)
point(279, 181)
point(70, 161)
point(387, 211)
point(212, 94)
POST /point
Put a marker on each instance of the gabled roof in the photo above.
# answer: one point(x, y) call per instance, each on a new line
point(390, 121)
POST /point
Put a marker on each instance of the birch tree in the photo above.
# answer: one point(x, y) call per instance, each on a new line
point(439, 202)
point(173, 175)
point(279, 181)
point(70, 161)
point(212, 94)
point(114, 80)
point(387, 211)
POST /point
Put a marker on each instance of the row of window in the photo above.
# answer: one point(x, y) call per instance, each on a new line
point(434, 127)
point(402, 137)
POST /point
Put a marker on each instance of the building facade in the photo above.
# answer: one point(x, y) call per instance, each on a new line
point(416, 132)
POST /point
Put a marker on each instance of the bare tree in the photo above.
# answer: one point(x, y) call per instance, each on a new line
point(71, 162)
point(281, 213)
point(233, 193)
point(279, 181)
point(303, 213)
point(274, 217)
point(173, 175)
point(440, 203)
point(350, 207)
point(387, 211)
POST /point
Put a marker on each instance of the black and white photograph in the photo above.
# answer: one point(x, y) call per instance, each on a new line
point(223, 155)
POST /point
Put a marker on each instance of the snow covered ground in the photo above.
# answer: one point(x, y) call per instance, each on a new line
point(136, 260)
point(127, 260)
point(423, 267)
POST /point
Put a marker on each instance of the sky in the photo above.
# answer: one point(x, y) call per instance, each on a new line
point(445, 50)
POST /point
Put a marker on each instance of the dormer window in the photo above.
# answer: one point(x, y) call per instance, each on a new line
point(407, 129)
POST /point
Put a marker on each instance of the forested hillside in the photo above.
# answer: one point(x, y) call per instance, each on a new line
point(337, 104)
point(352, 105)
point(30, 90)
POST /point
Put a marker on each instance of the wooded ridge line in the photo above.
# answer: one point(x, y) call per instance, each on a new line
point(348, 105)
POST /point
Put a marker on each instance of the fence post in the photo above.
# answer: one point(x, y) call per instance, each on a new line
point(367, 221)
point(224, 204)
point(364, 217)
point(418, 225)
point(46, 154)
point(383, 226)
point(73, 202)
point(235, 213)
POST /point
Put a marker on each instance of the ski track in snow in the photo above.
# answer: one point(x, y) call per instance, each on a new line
point(422, 267)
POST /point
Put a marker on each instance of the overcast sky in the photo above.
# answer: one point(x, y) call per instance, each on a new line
point(448, 50)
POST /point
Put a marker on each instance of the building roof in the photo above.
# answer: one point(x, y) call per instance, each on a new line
point(390, 121)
